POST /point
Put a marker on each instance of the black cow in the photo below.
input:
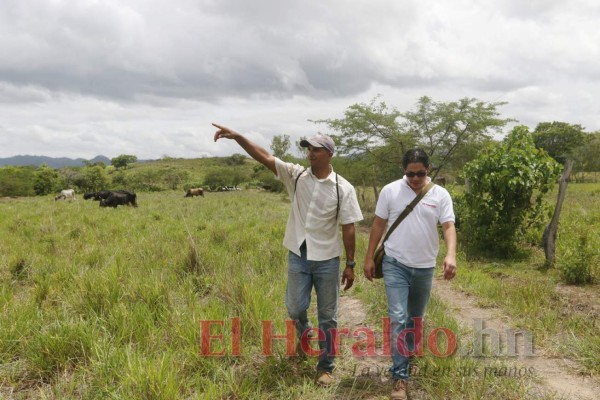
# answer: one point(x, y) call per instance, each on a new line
point(101, 195)
point(119, 197)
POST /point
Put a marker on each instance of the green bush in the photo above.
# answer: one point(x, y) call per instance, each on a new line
point(577, 265)
point(506, 188)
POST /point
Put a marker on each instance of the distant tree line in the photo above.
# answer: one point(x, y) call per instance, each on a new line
point(371, 139)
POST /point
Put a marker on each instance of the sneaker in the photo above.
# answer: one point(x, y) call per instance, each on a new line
point(324, 378)
point(399, 392)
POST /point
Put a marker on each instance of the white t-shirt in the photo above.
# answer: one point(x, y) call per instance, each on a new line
point(415, 242)
point(313, 211)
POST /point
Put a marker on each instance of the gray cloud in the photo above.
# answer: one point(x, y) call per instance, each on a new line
point(148, 77)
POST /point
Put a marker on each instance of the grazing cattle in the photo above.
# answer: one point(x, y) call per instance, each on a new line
point(194, 192)
point(100, 195)
point(66, 194)
point(104, 194)
point(228, 188)
point(119, 197)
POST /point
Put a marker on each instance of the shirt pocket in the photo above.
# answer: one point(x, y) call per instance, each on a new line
point(326, 203)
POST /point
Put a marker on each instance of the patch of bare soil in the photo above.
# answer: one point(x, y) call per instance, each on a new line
point(556, 376)
point(583, 299)
point(363, 377)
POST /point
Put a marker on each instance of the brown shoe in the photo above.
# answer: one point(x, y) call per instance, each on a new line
point(399, 392)
point(324, 378)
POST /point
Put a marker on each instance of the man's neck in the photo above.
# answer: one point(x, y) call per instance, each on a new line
point(322, 172)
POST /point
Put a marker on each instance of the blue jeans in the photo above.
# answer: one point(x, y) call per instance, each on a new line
point(407, 291)
point(324, 275)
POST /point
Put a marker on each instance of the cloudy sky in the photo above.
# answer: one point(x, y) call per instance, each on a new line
point(80, 78)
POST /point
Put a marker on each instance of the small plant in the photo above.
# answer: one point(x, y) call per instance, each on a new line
point(577, 264)
point(19, 270)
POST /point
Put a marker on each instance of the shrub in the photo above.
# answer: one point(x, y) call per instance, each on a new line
point(577, 264)
point(507, 183)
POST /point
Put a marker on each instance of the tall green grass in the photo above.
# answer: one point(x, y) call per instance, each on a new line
point(107, 303)
point(104, 303)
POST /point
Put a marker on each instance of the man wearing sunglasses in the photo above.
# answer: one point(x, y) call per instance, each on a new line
point(411, 252)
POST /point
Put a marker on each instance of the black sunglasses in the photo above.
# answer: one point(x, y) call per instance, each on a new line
point(411, 174)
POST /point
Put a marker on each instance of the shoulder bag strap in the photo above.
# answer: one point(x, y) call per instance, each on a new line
point(407, 210)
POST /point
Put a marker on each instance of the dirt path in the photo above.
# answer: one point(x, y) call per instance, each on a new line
point(557, 376)
point(367, 375)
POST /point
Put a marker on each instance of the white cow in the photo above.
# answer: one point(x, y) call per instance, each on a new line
point(66, 194)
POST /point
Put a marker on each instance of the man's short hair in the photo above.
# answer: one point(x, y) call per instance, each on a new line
point(415, 156)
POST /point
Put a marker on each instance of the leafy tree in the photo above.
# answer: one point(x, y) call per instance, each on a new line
point(92, 179)
point(443, 129)
point(120, 179)
point(236, 159)
point(174, 177)
point(216, 178)
point(371, 133)
point(381, 135)
point(559, 139)
point(280, 145)
point(506, 186)
point(585, 157)
point(68, 176)
point(146, 180)
point(123, 161)
point(16, 181)
point(45, 180)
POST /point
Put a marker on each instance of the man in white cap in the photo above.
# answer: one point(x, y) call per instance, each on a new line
point(320, 200)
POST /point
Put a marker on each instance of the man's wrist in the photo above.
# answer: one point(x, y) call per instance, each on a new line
point(350, 264)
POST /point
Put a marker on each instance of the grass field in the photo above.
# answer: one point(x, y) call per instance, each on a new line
point(108, 303)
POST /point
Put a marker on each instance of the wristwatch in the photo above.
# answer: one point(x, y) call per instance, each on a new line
point(350, 264)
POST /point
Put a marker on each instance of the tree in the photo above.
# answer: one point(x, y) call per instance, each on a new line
point(16, 181)
point(93, 179)
point(560, 139)
point(236, 159)
point(443, 129)
point(173, 177)
point(384, 134)
point(586, 155)
point(68, 176)
point(371, 133)
point(507, 184)
point(45, 180)
point(123, 161)
point(551, 231)
point(216, 178)
point(280, 145)
point(149, 179)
